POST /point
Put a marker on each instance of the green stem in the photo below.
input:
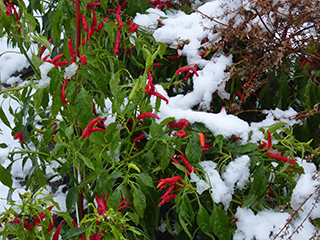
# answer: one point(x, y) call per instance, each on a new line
point(16, 88)
point(23, 51)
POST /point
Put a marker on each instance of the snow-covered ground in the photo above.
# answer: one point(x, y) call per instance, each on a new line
point(180, 26)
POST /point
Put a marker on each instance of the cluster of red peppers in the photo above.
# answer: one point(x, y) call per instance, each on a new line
point(268, 145)
point(163, 183)
point(37, 222)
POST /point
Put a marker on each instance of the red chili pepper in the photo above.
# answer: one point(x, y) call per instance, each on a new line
point(43, 48)
point(157, 64)
point(118, 17)
point(61, 63)
point(181, 133)
point(140, 137)
point(84, 23)
point(89, 129)
point(93, 4)
point(166, 199)
point(282, 158)
point(186, 163)
point(263, 145)
point(162, 187)
point(83, 41)
point(9, 7)
point(203, 52)
point(82, 236)
point(169, 180)
point(45, 57)
point(178, 54)
point(94, 20)
point(187, 68)
point(63, 91)
point(175, 161)
point(83, 59)
point(202, 139)
point(161, 24)
point(123, 206)
point(159, 95)
point(147, 115)
point(41, 215)
point(133, 28)
point(117, 43)
point(51, 224)
point(55, 59)
point(90, 32)
point(269, 140)
point(174, 124)
point(152, 2)
point(111, 10)
point(206, 147)
point(57, 232)
point(20, 136)
point(102, 208)
point(124, 3)
point(170, 189)
point(183, 123)
point(27, 226)
point(241, 96)
point(72, 51)
point(100, 26)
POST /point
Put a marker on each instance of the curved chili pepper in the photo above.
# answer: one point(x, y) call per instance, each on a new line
point(166, 181)
point(133, 28)
point(175, 161)
point(57, 232)
point(147, 115)
point(19, 136)
point(93, 4)
point(187, 68)
point(282, 158)
point(183, 123)
point(140, 137)
point(124, 3)
point(170, 189)
point(166, 199)
point(186, 163)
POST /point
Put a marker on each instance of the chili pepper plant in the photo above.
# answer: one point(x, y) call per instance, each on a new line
point(89, 112)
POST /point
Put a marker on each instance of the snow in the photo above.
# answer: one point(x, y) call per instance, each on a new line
point(179, 26)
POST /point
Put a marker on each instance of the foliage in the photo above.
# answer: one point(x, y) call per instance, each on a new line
point(97, 124)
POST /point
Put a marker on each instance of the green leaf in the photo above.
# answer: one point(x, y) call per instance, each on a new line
point(218, 141)
point(163, 48)
point(139, 201)
point(5, 176)
point(114, 82)
point(156, 130)
point(115, 141)
point(274, 127)
point(86, 161)
point(203, 220)
point(40, 177)
point(249, 147)
point(194, 149)
point(73, 232)
point(71, 199)
point(37, 98)
point(145, 179)
point(3, 145)
point(4, 118)
point(219, 223)
point(83, 106)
